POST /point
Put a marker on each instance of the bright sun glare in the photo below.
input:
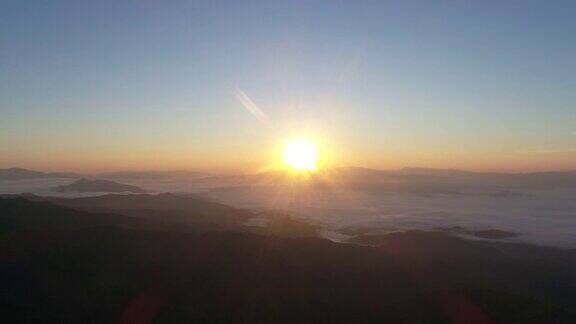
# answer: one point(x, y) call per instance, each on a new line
point(300, 155)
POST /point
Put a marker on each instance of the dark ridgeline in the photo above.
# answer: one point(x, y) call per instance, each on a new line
point(23, 174)
point(154, 175)
point(418, 181)
point(100, 262)
point(97, 185)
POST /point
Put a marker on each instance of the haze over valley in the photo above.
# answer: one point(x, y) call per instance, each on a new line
point(534, 208)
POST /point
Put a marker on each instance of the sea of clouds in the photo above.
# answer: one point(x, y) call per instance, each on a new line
point(545, 217)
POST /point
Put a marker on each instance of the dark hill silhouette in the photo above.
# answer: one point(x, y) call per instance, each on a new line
point(154, 175)
point(162, 207)
point(164, 201)
point(88, 185)
point(28, 213)
point(65, 265)
point(190, 210)
point(184, 213)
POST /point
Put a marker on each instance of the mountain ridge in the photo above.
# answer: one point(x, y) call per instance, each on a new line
point(17, 173)
point(84, 185)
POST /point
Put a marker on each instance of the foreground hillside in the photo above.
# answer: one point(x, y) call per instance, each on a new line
point(63, 264)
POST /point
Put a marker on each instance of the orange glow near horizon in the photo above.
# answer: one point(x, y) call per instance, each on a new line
point(241, 157)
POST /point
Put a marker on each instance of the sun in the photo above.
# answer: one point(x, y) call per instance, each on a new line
point(300, 155)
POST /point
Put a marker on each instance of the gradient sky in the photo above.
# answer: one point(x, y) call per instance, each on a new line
point(151, 84)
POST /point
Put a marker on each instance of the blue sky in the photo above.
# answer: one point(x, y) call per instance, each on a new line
point(94, 85)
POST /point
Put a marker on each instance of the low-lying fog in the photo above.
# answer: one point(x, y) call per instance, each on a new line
point(544, 216)
point(547, 218)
